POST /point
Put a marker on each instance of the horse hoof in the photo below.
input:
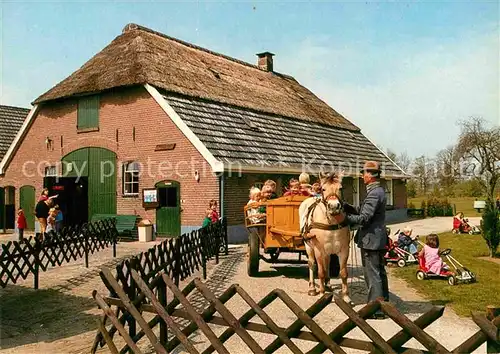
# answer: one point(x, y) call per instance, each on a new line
point(312, 292)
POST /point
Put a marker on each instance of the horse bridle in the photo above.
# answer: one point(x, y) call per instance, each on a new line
point(317, 225)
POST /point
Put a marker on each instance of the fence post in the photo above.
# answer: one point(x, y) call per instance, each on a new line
point(162, 297)
point(491, 313)
point(85, 234)
point(177, 256)
point(115, 237)
point(203, 252)
point(132, 328)
point(226, 242)
point(36, 258)
point(216, 231)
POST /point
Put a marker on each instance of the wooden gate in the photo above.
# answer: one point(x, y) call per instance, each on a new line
point(216, 313)
point(27, 202)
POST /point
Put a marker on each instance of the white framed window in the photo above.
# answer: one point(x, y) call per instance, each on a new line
point(50, 171)
point(389, 192)
point(131, 178)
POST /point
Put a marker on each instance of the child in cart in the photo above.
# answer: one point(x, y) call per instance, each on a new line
point(407, 242)
point(431, 253)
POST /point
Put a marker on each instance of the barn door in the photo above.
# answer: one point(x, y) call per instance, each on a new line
point(96, 167)
point(27, 203)
point(168, 214)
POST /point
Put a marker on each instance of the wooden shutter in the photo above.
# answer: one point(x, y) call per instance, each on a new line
point(88, 112)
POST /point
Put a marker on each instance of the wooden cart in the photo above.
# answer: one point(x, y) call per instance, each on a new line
point(275, 229)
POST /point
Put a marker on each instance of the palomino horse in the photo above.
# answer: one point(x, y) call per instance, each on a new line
point(325, 233)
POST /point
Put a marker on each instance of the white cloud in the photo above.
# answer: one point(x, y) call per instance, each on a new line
point(417, 93)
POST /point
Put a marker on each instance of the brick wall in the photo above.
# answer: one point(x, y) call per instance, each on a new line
point(120, 111)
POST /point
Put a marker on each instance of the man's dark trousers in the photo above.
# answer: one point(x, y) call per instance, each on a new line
point(375, 274)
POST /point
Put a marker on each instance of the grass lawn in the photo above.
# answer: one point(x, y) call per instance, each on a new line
point(464, 298)
point(464, 204)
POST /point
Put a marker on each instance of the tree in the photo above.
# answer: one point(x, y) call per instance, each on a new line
point(392, 155)
point(479, 150)
point(411, 188)
point(447, 168)
point(423, 171)
point(404, 161)
point(491, 227)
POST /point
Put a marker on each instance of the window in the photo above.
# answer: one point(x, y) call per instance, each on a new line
point(88, 112)
point(389, 195)
point(131, 178)
point(50, 171)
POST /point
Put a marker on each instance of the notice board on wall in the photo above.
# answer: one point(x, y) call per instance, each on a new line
point(150, 198)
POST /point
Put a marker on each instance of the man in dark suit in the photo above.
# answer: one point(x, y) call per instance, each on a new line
point(371, 236)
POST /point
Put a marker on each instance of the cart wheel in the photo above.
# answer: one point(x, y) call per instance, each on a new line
point(451, 280)
point(401, 263)
point(253, 253)
point(421, 275)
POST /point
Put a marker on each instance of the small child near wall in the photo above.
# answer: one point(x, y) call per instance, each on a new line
point(21, 224)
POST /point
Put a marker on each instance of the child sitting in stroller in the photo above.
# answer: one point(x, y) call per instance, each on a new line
point(406, 241)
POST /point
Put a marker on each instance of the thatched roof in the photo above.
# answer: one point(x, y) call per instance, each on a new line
point(140, 55)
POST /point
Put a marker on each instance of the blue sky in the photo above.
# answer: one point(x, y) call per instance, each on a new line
point(404, 72)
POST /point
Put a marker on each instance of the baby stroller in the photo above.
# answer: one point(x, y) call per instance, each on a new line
point(460, 274)
point(399, 255)
point(463, 227)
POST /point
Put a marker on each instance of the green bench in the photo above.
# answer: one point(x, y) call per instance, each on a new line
point(126, 225)
point(416, 212)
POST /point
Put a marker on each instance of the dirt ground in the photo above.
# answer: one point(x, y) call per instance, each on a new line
point(61, 316)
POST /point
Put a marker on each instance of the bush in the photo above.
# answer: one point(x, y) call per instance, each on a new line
point(491, 227)
point(439, 207)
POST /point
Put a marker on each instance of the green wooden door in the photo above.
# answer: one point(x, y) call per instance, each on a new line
point(2, 208)
point(102, 181)
point(98, 165)
point(27, 203)
point(168, 214)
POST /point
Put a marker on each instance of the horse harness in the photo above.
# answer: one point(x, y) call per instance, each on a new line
point(317, 225)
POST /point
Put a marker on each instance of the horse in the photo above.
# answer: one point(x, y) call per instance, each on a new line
point(323, 228)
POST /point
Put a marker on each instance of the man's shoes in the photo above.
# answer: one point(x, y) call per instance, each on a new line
point(377, 316)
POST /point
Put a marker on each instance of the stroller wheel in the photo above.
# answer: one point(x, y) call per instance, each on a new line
point(401, 263)
point(420, 275)
point(451, 280)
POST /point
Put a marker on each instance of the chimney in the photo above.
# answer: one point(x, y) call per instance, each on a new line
point(265, 61)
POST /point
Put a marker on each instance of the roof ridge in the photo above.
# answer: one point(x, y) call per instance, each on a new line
point(133, 26)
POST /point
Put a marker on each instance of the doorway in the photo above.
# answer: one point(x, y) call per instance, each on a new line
point(27, 203)
point(72, 197)
point(97, 167)
point(168, 213)
point(10, 207)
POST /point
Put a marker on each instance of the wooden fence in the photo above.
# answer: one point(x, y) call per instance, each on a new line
point(178, 258)
point(30, 256)
point(334, 341)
